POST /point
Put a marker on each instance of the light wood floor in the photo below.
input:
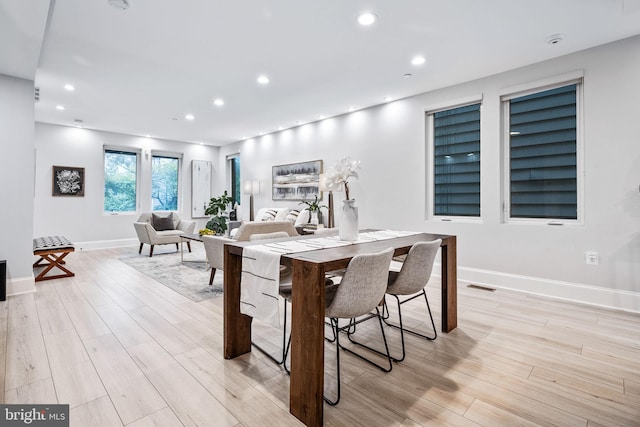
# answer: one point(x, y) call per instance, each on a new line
point(122, 349)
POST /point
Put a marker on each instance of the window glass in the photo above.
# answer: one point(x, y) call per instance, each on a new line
point(457, 161)
point(164, 183)
point(542, 154)
point(120, 181)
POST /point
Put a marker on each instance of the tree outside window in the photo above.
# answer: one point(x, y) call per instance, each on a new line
point(120, 181)
point(164, 183)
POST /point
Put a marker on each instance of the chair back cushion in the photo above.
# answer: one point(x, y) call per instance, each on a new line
point(363, 285)
point(416, 269)
point(148, 217)
point(265, 236)
point(162, 223)
point(247, 229)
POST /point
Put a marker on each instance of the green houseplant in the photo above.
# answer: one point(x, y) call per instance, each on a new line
point(314, 208)
point(217, 208)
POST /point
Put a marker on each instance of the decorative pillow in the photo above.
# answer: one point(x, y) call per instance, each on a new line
point(162, 223)
point(292, 215)
point(281, 214)
point(303, 218)
point(268, 215)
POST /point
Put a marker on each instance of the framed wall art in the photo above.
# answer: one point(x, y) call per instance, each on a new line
point(296, 181)
point(68, 181)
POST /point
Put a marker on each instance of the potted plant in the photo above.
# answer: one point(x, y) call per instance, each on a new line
point(217, 208)
point(314, 208)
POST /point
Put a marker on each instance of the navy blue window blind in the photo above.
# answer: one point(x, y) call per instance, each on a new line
point(542, 129)
point(457, 161)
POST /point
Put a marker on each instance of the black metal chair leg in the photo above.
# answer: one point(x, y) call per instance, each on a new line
point(401, 327)
point(386, 346)
point(285, 349)
point(334, 327)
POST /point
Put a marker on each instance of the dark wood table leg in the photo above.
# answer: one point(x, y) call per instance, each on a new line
point(237, 326)
point(307, 326)
point(449, 278)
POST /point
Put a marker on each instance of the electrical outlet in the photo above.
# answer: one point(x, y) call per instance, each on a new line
point(592, 257)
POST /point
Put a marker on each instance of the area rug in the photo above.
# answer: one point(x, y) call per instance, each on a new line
point(190, 279)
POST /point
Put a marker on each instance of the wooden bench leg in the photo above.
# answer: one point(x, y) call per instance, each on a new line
point(213, 274)
point(151, 251)
point(53, 260)
point(140, 250)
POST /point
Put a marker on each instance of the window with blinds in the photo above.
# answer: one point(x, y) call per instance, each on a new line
point(457, 161)
point(542, 154)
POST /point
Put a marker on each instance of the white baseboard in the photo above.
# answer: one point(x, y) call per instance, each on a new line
point(21, 285)
point(568, 291)
point(105, 244)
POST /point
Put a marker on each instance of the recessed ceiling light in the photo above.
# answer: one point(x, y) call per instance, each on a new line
point(147, 136)
point(321, 117)
point(299, 122)
point(280, 128)
point(407, 75)
point(352, 108)
point(418, 60)
point(367, 18)
point(260, 133)
point(201, 143)
point(388, 98)
point(263, 80)
point(219, 102)
point(59, 107)
point(69, 87)
point(189, 117)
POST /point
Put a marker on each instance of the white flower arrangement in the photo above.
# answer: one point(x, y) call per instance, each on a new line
point(338, 176)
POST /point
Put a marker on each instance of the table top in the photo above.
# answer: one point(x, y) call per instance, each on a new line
point(195, 237)
point(342, 254)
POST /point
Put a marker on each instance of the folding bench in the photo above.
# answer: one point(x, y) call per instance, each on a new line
point(52, 251)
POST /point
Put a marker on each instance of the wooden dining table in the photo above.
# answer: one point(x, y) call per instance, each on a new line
point(308, 305)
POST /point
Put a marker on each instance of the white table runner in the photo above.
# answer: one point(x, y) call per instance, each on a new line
point(260, 280)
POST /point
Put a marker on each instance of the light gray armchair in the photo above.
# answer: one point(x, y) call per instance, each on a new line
point(165, 234)
point(214, 245)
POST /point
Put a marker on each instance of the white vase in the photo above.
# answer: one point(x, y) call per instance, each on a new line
point(314, 218)
point(349, 221)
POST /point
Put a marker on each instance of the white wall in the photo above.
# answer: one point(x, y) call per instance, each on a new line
point(16, 174)
point(81, 219)
point(389, 140)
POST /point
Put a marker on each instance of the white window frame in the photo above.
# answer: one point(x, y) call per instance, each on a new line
point(430, 153)
point(138, 153)
point(170, 154)
point(577, 78)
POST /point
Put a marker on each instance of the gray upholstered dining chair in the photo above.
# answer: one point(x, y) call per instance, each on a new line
point(412, 280)
point(359, 293)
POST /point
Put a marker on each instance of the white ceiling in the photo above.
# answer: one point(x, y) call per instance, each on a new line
point(140, 71)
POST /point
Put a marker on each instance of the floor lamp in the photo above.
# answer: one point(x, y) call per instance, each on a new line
point(322, 186)
point(251, 188)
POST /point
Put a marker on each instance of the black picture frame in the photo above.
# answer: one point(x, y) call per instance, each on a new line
point(67, 181)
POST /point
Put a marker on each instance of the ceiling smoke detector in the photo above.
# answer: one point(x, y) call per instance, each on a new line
point(120, 4)
point(555, 39)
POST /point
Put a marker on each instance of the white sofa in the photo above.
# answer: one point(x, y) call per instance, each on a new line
point(299, 217)
point(254, 230)
point(149, 235)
